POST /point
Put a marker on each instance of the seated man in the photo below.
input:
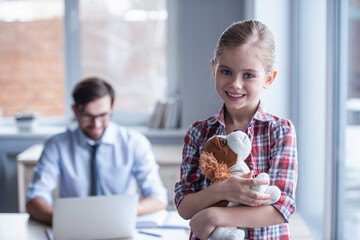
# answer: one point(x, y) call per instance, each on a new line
point(98, 157)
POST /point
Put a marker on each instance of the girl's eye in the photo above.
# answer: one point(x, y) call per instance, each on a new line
point(226, 72)
point(248, 75)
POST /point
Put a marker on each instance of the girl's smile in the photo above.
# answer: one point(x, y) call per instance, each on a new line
point(235, 96)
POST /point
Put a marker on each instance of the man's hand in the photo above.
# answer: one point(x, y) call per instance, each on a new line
point(40, 210)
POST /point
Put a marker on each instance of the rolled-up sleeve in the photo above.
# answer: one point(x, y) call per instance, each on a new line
point(146, 170)
point(284, 166)
point(46, 174)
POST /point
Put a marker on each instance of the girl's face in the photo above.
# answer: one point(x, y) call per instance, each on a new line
point(239, 78)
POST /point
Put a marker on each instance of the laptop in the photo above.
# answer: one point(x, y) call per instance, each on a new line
point(99, 217)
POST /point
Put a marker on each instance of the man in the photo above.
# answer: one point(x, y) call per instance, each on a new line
point(98, 157)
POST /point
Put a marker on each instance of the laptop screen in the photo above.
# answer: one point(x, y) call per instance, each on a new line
point(97, 217)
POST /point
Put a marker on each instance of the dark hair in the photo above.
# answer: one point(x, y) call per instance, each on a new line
point(91, 89)
point(255, 35)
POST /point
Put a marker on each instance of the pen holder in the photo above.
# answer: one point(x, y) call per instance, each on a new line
point(25, 121)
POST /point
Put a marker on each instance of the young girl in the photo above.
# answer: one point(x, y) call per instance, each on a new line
point(242, 67)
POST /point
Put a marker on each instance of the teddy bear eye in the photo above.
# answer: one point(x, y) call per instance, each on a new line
point(223, 142)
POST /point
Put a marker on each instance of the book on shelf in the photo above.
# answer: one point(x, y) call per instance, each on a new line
point(166, 114)
point(162, 219)
point(173, 113)
point(157, 117)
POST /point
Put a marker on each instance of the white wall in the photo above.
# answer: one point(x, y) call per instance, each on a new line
point(200, 24)
point(275, 15)
point(312, 113)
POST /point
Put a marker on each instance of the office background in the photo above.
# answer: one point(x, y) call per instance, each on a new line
point(317, 87)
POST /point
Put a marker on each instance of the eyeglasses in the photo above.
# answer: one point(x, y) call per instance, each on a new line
point(87, 117)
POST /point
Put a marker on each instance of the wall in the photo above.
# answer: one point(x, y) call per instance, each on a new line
point(200, 24)
point(9, 148)
point(275, 15)
point(312, 113)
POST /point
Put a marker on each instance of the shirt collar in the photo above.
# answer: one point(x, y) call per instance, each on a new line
point(260, 115)
point(109, 134)
point(107, 138)
point(219, 118)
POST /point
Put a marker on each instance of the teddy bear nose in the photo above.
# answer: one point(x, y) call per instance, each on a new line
point(223, 142)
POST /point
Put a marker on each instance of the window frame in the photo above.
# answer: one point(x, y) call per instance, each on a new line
point(73, 61)
point(310, 119)
point(338, 32)
point(335, 115)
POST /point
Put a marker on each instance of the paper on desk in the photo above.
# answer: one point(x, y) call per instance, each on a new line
point(174, 220)
point(162, 219)
point(151, 220)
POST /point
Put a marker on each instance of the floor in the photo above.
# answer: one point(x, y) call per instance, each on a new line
point(299, 229)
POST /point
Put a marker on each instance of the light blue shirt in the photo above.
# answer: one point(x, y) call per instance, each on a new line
point(125, 157)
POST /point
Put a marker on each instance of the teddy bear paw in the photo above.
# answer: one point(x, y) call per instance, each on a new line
point(237, 234)
point(261, 188)
point(275, 193)
point(227, 233)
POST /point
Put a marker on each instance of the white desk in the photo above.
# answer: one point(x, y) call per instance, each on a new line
point(19, 226)
point(26, 161)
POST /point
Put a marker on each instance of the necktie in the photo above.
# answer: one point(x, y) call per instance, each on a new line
point(94, 178)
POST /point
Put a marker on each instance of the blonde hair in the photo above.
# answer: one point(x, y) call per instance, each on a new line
point(254, 35)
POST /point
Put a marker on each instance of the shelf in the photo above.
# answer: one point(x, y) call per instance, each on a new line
point(10, 131)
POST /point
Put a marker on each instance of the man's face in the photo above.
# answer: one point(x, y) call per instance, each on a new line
point(94, 117)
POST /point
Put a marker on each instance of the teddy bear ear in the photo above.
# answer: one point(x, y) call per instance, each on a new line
point(212, 169)
point(240, 143)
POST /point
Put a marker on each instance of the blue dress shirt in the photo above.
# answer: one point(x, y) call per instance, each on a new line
point(125, 161)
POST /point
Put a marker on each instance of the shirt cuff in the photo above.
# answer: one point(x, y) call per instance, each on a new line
point(286, 206)
point(31, 194)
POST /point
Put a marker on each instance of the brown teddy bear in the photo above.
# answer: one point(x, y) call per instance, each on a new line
point(222, 157)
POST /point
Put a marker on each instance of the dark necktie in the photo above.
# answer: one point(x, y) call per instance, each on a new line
point(94, 178)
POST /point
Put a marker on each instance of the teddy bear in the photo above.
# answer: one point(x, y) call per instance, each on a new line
point(223, 156)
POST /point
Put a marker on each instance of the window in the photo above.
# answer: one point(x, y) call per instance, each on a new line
point(123, 42)
point(349, 208)
point(32, 57)
point(329, 117)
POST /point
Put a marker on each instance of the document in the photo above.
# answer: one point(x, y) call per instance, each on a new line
point(162, 219)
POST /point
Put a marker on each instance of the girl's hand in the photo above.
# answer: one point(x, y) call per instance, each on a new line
point(202, 224)
point(237, 189)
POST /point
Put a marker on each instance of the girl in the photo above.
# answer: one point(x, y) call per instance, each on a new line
point(242, 67)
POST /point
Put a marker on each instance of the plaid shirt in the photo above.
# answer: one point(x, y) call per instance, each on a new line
point(273, 151)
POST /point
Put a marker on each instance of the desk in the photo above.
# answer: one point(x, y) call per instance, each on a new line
point(19, 226)
point(168, 156)
point(26, 161)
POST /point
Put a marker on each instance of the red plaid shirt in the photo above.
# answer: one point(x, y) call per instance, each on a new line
point(273, 151)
